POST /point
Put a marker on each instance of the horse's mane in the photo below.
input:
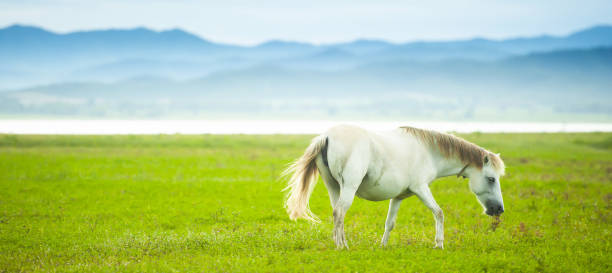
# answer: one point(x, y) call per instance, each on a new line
point(450, 146)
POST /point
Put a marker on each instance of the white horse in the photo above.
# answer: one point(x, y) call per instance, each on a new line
point(390, 165)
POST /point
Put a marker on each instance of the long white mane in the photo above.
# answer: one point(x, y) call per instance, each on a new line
point(453, 146)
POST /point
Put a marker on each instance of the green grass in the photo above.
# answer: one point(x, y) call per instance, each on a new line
point(214, 203)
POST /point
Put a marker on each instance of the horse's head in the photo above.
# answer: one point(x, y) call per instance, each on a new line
point(485, 184)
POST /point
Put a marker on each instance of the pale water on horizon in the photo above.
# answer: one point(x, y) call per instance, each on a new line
point(108, 127)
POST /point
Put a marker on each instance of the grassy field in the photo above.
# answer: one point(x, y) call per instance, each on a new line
point(214, 203)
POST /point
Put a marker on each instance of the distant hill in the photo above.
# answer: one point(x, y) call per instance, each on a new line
point(33, 56)
point(114, 42)
point(35, 50)
point(572, 84)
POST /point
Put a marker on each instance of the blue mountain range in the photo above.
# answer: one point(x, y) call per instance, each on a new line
point(137, 68)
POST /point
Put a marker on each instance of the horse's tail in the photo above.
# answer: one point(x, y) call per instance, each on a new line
point(303, 178)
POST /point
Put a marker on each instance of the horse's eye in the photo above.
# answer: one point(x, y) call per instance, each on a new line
point(491, 180)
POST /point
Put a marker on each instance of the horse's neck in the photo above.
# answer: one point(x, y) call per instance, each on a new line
point(447, 166)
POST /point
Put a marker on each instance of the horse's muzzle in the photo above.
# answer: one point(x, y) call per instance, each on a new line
point(494, 208)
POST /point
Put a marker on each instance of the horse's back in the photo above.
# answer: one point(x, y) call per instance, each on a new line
point(388, 162)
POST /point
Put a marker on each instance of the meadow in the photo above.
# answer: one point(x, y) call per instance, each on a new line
point(213, 203)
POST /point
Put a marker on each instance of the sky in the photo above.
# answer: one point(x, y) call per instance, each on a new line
point(316, 21)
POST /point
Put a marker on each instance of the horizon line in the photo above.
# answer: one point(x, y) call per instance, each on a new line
point(289, 41)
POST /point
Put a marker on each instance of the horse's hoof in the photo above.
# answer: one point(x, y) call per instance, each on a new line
point(342, 245)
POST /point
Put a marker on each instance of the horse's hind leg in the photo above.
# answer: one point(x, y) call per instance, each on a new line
point(352, 175)
point(347, 194)
point(341, 201)
point(349, 172)
point(333, 188)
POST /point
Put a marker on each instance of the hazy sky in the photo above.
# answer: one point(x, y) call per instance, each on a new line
point(316, 21)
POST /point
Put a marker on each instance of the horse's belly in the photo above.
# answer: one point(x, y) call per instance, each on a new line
point(380, 189)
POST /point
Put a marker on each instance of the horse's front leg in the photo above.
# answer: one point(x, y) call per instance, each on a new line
point(427, 198)
point(394, 206)
point(347, 194)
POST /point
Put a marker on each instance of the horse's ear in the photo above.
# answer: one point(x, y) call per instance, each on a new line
point(486, 160)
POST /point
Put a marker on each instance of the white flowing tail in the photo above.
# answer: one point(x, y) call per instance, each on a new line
point(303, 179)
